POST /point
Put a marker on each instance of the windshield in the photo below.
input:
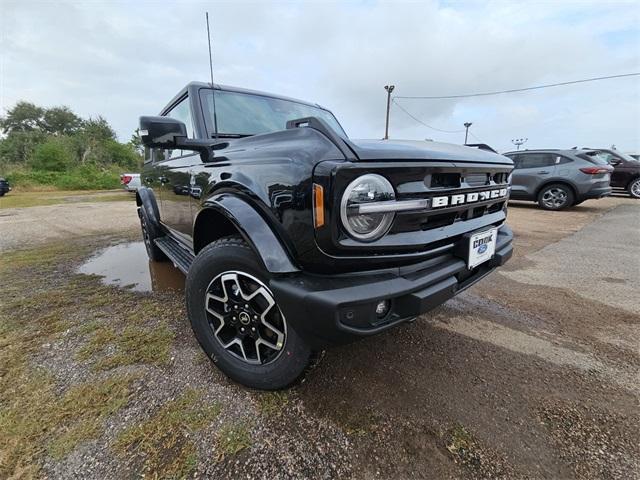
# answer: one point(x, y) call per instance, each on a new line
point(600, 158)
point(606, 157)
point(241, 114)
point(626, 156)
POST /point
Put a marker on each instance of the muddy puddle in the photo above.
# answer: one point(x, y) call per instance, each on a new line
point(127, 265)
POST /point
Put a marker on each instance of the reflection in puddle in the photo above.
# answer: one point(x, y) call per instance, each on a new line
point(127, 265)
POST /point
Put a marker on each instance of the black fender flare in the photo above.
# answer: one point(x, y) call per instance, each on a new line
point(254, 229)
point(145, 198)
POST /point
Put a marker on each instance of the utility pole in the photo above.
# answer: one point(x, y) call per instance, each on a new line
point(389, 89)
point(519, 141)
point(466, 133)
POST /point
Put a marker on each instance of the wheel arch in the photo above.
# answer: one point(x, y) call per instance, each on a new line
point(145, 198)
point(232, 215)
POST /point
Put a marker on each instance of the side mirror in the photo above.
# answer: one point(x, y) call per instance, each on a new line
point(169, 133)
point(614, 161)
point(161, 132)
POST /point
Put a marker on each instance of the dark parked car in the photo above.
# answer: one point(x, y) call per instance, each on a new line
point(4, 186)
point(626, 169)
point(295, 237)
point(558, 179)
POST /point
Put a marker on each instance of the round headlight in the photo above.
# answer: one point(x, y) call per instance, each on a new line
point(366, 189)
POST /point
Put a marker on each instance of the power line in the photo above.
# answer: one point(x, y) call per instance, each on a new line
point(421, 122)
point(476, 137)
point(499, 92)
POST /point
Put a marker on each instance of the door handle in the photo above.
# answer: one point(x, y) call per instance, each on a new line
point(543, 172)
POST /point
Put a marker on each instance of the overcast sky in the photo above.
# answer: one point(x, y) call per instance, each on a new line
point(126, 59)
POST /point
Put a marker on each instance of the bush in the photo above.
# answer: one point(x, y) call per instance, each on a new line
point(52, 156)
point(18, 147)
point(53, 148)
point(121, 154)
point(87, 177)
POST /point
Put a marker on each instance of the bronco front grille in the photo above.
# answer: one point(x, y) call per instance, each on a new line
point(433, 218)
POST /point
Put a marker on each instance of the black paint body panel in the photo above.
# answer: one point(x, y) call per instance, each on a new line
point(262, 186)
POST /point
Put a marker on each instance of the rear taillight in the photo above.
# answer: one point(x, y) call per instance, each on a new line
point(125, 179)
point(594, 170)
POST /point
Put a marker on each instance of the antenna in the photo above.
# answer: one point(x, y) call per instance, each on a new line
point(213, 88)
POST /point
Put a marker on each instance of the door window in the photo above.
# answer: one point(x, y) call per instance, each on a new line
point(537, 160)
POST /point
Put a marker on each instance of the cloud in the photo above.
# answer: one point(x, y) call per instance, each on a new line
point(123, 59)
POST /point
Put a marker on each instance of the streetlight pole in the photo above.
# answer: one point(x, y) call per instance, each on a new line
point(519, 141)
point(466, 132)
point(389, 89)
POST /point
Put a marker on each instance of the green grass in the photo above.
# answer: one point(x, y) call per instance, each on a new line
point(460, 441)
point(162, 443)
point(35, 420)
point(41, 302)
point(132, 345)
point(272, 403)
point(232, 439)
point(35, 417)
point(80, 177)
point(42, 198)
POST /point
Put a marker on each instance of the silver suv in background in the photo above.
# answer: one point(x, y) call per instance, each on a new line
point(558, 179)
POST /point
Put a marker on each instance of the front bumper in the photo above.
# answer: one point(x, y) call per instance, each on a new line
point(329, 310)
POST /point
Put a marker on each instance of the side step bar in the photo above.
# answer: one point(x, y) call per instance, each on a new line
point(180, 257)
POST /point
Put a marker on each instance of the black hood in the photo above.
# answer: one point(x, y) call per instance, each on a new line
point(422, 150)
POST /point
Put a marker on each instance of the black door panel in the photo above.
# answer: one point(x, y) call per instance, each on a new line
point(176, 180)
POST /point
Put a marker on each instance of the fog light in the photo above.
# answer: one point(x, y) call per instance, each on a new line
point(382, 308)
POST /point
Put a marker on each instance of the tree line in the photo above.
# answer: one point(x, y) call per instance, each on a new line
point(57, 140)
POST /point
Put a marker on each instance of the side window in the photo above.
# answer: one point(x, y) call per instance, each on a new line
point(537, 160)
point(147, 154)
point(516, 160)
point(561, 159)
point(182, 112)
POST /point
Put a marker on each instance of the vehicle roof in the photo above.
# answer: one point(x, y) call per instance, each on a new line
point(229, 88)
point(565, 151)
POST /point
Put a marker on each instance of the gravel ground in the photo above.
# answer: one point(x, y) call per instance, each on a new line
point(532, 373)
point(78, 216)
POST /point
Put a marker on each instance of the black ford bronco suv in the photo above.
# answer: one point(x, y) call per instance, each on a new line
point(294, 237)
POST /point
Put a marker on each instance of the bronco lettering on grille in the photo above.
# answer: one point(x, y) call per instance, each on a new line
point(460, 199)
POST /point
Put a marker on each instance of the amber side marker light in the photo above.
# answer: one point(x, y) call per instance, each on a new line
point(318, 205)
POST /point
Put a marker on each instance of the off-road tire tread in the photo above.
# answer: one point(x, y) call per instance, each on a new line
point(276, 375)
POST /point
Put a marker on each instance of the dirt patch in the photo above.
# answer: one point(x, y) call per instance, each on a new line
point(24, 227)
point(508, 380)
point(593, 440)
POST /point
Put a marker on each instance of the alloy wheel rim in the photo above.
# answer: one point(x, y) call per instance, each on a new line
point(635, 188)
point(554, 198)
point(145, 234)
point(244, 318)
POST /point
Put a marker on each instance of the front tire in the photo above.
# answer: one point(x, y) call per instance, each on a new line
point(634, 188)
point(237, 320)
point(556, 197)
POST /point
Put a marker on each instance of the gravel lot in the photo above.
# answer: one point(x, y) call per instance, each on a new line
point(532, 373)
